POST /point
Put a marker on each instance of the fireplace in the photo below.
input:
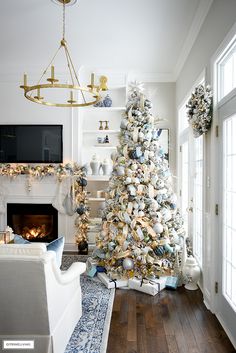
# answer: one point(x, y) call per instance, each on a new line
point(35, 222)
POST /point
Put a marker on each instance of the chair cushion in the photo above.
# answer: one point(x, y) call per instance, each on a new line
point(18, 239)
point(57, 246)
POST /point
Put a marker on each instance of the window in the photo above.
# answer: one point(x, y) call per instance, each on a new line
point(184, 183)
point(227, 71)
point(229, 210)
point(198, 198)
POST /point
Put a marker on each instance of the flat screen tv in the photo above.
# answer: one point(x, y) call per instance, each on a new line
point(31, 144)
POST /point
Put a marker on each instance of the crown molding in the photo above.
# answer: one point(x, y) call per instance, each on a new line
point(197, 23)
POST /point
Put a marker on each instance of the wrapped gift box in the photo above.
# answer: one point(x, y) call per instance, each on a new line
point(91, 262)
point(172, 282)
point(149, 286)
point(112, 283)
point(91, 267)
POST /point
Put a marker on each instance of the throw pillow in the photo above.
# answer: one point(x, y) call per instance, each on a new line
point(18, 239)
point(57, 246)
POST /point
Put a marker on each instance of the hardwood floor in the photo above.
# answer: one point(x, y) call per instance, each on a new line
point(170, 322)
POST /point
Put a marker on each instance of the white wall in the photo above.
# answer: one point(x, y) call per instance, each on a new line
point(162, 96)
point(217, 24)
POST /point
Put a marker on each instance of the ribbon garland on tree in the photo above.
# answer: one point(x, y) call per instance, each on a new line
point(199, 111)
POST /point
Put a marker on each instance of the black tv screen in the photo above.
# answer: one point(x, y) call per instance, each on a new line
point(31, 144)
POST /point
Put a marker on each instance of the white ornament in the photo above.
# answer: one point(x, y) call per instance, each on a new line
point(128, 264)
point(158, 228)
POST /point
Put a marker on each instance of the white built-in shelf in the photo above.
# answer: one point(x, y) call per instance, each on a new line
point(105, 145)
point(101, 131)
point(99, 199)
point(98, 177)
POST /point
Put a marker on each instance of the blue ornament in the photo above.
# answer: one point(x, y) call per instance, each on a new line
point(133, 154)
point(82, 182)
point(142, 159)
point(81, 209)
point(159, 251)
point(168, 248)
point(138, 151)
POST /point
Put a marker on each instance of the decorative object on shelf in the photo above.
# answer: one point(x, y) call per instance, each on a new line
point(95, 164)
point(106, 167)
point(107, 101)
point(106, 125)
point(88, 95)
point(191, 271)
point(100, 140)
point(101, 125)
point(141, 221)
point(106, 139)
point(99, 104)
point(103, 83)
point(199, 111)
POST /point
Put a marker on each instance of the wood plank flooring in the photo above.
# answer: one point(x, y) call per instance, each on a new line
point(171, 322)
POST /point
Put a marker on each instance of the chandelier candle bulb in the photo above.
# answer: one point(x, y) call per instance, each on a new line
point(52, 72)
point(92, 80)
point(25, 79)
point(71, 95)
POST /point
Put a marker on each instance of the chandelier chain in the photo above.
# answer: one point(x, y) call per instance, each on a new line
point(64, 20)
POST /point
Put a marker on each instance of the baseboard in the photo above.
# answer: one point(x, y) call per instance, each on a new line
point(227, 331)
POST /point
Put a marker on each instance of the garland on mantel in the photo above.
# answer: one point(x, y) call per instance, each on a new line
point(60, 171)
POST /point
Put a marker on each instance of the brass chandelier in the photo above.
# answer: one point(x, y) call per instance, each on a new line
point(76, 95)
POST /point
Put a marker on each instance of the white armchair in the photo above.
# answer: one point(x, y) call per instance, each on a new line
point(37, 301)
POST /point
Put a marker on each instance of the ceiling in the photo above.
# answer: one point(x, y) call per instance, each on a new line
point(151, 36)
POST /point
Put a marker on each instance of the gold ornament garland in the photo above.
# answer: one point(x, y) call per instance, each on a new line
point(59, 171)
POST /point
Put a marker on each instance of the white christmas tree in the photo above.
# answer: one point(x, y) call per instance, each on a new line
point(142, 227)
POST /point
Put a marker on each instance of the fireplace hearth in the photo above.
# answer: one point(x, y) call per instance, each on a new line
point(34, 222)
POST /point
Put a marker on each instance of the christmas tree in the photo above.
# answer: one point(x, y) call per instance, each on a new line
point(142, 227)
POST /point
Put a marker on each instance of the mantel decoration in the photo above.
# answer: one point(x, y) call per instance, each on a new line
point(73, 201)
point(88, 95)
point(200, 110)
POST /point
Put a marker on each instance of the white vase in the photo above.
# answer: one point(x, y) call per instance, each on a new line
point(95, 164)
point(191, 271)
point(106, 167)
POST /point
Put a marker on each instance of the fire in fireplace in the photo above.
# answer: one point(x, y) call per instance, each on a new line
point(35, 222)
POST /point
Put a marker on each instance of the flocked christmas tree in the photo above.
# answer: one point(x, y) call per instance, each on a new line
point(142, 228)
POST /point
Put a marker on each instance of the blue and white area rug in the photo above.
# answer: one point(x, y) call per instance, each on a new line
point(91, 332)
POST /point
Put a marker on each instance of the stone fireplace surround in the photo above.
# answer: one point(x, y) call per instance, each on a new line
point(42, 191)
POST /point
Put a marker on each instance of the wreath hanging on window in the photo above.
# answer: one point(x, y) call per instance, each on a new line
point(199, 111)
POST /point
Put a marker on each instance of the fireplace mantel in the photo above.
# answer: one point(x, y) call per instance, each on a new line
point(15, 190)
